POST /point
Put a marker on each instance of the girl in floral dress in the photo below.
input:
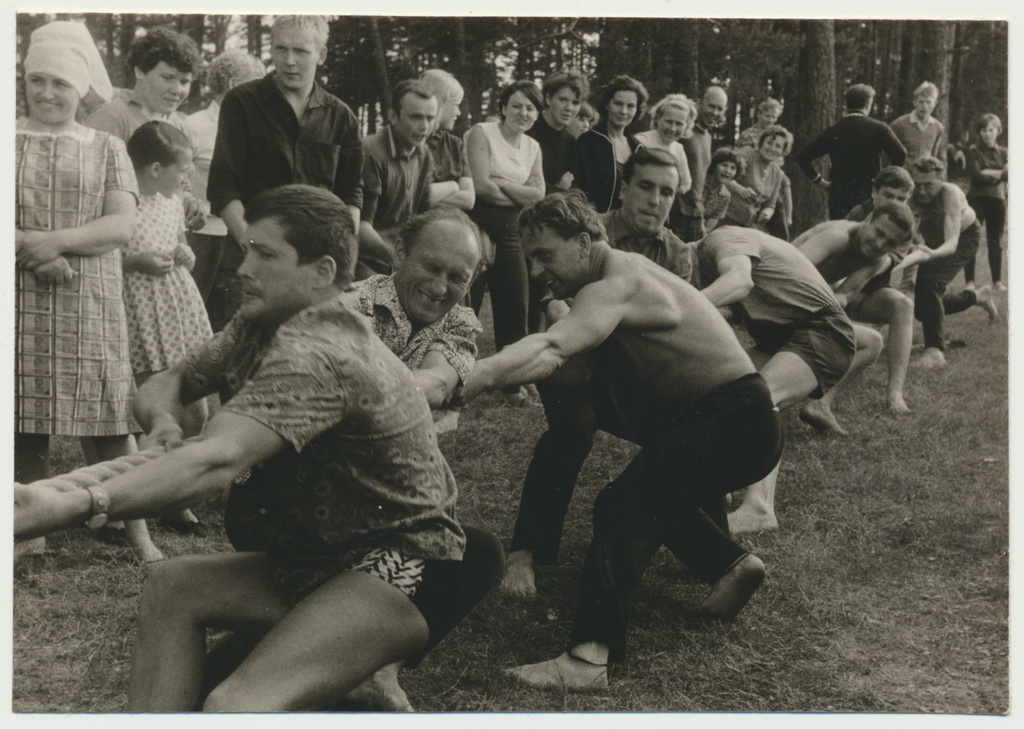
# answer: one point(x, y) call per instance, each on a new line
point(166, 316)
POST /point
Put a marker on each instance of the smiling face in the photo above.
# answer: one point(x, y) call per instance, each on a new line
point(725, 171)
point(162, 89)
point(296, 54)
point(773, 148)
point(562, 107)
point(414, 121)
point(926, 185)
point(52, 101)
point(879, 237)
point(647, 198)
point(519, 113)
point(622, 109)
point(671, 124)
point(275, 285)
point(434, 274)
point(561, 264)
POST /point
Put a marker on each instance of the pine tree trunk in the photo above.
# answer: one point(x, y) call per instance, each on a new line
point(816, 109)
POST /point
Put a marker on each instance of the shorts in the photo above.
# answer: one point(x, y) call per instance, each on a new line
point(824, 341)
point(394, 568)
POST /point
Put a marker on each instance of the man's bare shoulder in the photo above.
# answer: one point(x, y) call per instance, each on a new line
point(832, 233)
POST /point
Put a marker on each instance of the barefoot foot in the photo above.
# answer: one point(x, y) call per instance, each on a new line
point(734, 589)
point(987, 301)
point(519, 579)
point(930, 359)
point(819, 416)
point(381, 691)
point(565, 672)
point(898, 405)
point(748, 521)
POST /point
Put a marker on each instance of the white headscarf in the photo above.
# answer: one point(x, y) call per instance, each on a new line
point(65, 49)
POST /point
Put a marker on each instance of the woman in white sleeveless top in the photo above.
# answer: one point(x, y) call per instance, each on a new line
point(507, 174)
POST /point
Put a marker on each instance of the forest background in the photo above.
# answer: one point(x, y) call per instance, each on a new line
point(805, 63)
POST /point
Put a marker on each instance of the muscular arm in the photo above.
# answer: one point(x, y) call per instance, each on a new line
point(857, 280)
point(951, 223)
point(596, 311)
point(436, 379)
point(160, 404)
point(199, 469)
point(108, 232)
point(734, 282)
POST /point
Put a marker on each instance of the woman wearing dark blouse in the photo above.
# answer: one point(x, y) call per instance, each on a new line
point(986, 166)
point(603, 150)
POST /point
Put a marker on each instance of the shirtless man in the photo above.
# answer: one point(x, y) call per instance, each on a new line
point(714, 429)
point(951, 236)
point(851, 255)
point(804, 342)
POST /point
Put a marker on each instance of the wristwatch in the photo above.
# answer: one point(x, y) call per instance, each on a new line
point(100, 504)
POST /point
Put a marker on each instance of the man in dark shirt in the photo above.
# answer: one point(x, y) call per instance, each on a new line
point(855, 145)
point(563, 92)
point(397, 172)
point(283, 129)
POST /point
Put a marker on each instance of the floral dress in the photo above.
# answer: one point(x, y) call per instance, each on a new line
point(72, 375)
point(166, 316)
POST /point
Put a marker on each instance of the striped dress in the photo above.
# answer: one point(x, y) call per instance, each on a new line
point(72, 374)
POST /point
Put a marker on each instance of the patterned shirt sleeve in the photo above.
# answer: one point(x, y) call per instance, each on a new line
point(120, 173)
point(457, 342)
point(296, 391)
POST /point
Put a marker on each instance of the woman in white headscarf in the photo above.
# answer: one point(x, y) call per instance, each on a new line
point(74, 208)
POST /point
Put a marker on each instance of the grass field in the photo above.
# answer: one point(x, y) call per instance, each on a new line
point(887, 586)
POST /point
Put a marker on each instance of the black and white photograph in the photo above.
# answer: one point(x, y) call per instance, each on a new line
point(510, 361)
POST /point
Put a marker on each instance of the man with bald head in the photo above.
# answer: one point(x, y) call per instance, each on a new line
point(689, 223)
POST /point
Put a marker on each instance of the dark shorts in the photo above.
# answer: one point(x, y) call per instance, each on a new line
point(825, 341)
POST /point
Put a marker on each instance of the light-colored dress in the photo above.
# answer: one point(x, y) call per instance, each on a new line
point(166, 316)
point(72, 375)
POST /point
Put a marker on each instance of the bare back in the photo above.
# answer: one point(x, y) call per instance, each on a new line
point(675, 338)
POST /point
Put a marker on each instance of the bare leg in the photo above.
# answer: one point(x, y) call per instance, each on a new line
point(818, 413)
point(325, 646)
point(757, 512)
point(519, 576)
point(889, 306)
point(107, 448)
point(790, 380)
point(181, 598)
point(583, 668)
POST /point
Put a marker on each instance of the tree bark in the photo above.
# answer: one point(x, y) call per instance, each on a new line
point(380, 69)
point(816, 109)
point(254, 35)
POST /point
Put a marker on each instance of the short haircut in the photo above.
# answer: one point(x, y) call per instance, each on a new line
point(672, 101)
point(985, 119)
point(619, 83)
point(414, 227)
point(316, 223)
point(895, 177)
point(769, 104)
point(776, 130)
point(566, 214)
point(858, 97)
point(231, 68)
point(163, 44)
point(645, 157)
point(442, 85)
point(926, 165)
point(725, 154)
point(316, 24)
point(900, 214)
point(927, 88)
point(409, 86)
point(156, 141)
point(569, 78)
point(526, 88)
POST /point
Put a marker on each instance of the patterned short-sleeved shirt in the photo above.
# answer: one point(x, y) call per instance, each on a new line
point(453, 335)
point(716, 202)
point(363, 470)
